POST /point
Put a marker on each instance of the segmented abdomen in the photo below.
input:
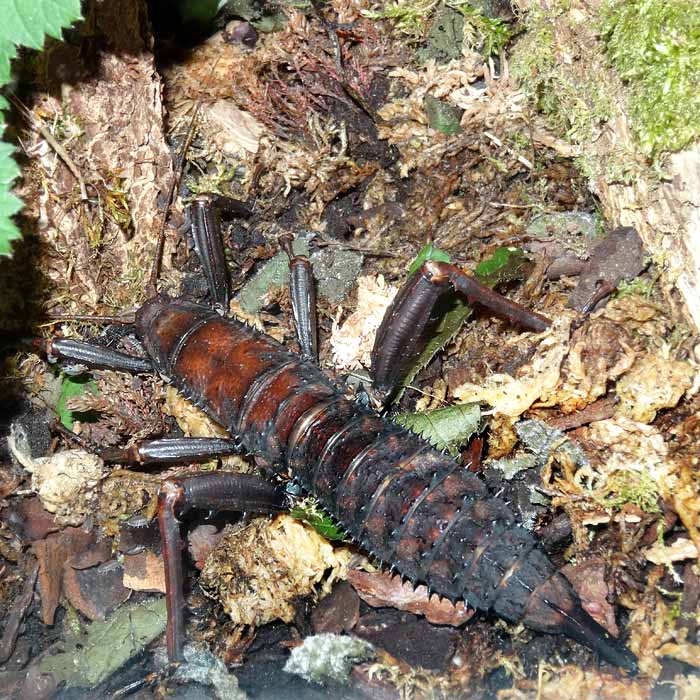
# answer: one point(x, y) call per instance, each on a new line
point(405, 502)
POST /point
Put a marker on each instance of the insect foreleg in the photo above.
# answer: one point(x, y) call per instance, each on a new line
point(403, 335)
point(302, 290)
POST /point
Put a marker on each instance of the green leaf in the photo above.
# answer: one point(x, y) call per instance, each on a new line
point(310, 512)
point(503, 266)
point(442, 116)
point(445, 428)
point(7, 52)
point(25, 22)
point(9, 204)
point(70, 387)
point(428, 252)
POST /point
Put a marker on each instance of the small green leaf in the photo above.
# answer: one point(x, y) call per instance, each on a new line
point(428, 252)
point(445, 428)
point(70, 387)
point(26, 21)
point(7, 52)
point(503, 266)
point(310, 512)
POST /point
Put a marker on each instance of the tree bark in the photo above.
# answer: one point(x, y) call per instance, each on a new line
point(664, 209)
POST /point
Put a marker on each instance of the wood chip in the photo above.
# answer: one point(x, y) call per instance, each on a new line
point(144, 572)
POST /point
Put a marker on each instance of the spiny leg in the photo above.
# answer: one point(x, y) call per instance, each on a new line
point(173, 450)
point(91, 355)
point(401, 336)
point(222, 491)
point(302, 290)
point(208, 242)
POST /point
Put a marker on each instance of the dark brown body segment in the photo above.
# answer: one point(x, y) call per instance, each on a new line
point(398, 497)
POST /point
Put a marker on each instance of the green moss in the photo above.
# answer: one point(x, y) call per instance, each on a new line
point(638, 488)
point(487, 35)
point(575, 105)
point(409, 17)
point(636, 287)
point(655, 47)
point(477, 31)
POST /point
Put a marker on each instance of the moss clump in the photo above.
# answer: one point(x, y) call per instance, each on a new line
point(637, 488)
point(477, 31)
point(487, 35)
point(409, 17)
point(655, 47)
point(574, 104)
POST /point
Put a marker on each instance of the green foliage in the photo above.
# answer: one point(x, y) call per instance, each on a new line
point(445, 428)
point(574, 107)
point(636, 287)
point(655, 46)
point(503, 266)
point(487, 35)
point(409, 17)
point(309, 511)
point(24, 23)
point(70, 387)
point(442, 116)
point(480, 33)
point(626, 486)
point(428, 252)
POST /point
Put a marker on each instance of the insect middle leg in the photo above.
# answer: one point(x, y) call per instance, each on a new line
point(402, 334)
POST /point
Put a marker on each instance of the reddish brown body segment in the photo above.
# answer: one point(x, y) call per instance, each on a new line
point(398, 497)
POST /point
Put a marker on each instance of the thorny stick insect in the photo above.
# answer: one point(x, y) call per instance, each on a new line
point(412, 507)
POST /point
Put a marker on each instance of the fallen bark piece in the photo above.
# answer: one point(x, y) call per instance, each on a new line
point(381, 589)
point(202, 540)
point(14, 619)
point(144, 572)
point(337, 612)
point(52, 553)
point(599, 410)
point(97, 591)
point(590, 581)
point(667, 554)
point(34, 521)
point(138, 532)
